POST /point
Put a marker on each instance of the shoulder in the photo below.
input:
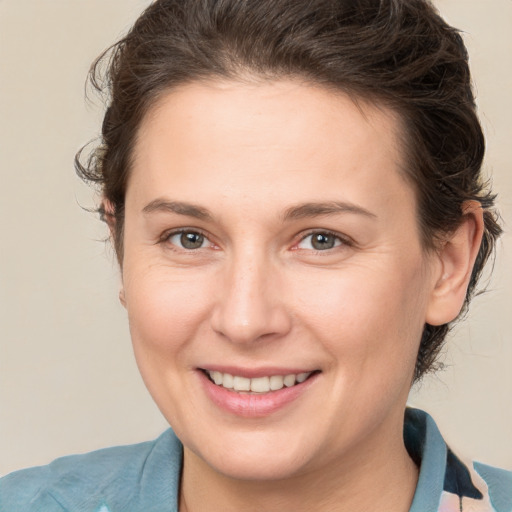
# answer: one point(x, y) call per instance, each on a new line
point(446, 481)
point(499, 484)
point(119, 478)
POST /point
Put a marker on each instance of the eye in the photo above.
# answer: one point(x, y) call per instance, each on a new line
point(188, 240)
point(320, 241)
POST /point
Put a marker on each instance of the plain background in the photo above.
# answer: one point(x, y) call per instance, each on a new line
point(68, 381)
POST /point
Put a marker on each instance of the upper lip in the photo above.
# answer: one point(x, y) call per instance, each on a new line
point(252, 373)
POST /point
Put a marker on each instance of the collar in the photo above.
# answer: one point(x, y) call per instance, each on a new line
point(446, 483)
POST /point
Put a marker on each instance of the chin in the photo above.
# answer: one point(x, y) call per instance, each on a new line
point(255, 457)
point(258, 468)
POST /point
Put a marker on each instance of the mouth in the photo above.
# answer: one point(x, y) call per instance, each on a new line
point(256, 393)
point(257, 385)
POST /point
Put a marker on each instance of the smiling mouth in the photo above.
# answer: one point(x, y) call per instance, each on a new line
point(258, 384)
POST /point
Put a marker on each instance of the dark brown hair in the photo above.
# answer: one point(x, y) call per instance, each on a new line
point(399, 53)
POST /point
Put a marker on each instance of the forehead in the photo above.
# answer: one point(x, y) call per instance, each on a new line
point(284, 140)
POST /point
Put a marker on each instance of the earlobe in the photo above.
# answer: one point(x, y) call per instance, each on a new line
point(122, 298)
point(457, 257)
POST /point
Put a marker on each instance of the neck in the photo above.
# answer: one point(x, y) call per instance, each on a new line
point(378, 477)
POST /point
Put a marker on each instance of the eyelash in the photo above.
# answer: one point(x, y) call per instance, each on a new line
point(340, 240)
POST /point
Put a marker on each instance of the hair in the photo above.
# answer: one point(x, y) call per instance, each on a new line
point(396, 53)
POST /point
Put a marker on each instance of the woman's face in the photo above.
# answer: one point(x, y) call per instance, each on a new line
point(270, 238)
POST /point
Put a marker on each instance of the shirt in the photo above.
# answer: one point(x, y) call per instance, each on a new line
point(145, 477)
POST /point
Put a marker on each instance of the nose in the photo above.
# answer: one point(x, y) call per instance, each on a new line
point(250, 306)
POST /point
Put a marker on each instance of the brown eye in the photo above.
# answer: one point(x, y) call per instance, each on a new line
point(320, 241)
point(188, 240)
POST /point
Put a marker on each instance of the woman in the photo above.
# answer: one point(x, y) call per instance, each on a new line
point(293, 192)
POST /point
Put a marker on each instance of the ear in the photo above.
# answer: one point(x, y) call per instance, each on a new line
point(456, 256)
point(122, 298)
point(107, 213)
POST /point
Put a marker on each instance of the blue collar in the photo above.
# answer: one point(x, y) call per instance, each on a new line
point(145, 477)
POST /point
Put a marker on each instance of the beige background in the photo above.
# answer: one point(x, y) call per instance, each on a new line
point(68, 382)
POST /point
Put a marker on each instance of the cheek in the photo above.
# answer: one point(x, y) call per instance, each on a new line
point(165, 311)
point(366, 315)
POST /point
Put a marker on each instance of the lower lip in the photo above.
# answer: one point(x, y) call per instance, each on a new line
point(255, 405)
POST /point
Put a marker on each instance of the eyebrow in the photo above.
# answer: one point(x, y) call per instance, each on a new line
point(307, 210)
point(301, 211)
point(188, 209)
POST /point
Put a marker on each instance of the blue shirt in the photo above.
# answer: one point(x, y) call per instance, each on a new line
point(145, 477)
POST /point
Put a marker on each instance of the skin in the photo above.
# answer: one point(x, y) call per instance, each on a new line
point(256, 293)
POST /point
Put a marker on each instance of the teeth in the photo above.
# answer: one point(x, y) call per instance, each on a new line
point(241, 384)
point(276, 382)
point(301, 377)
point(289, 381)
point(217, 378)
point(258, 384)
point(227, 381)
